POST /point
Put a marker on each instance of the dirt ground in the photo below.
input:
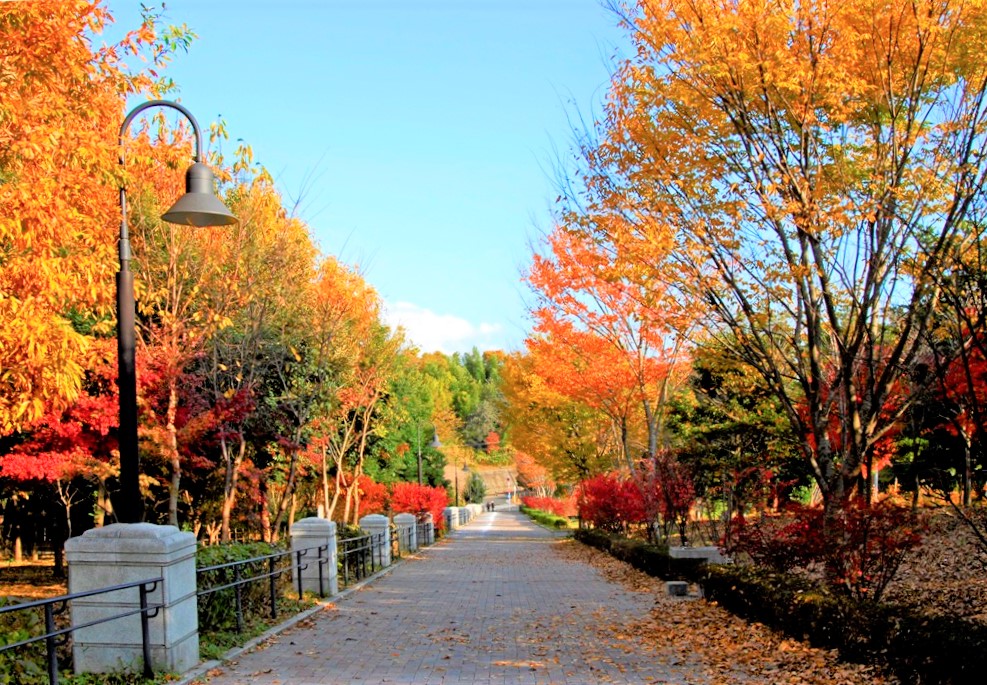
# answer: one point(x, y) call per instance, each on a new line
point(28, 580)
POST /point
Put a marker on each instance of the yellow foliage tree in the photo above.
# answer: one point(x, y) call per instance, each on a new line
point(815, 165)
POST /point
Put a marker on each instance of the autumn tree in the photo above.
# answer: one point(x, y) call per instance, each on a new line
point(814, 164)
point(614, 339)
point(266, 263)
point(567, 437)
point(61, 104)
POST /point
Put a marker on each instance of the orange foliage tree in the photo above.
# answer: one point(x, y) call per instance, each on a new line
point(607, 337)
point(61, 104)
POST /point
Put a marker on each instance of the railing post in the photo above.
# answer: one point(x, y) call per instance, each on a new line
point(238, 594)
point(315, 534)
point(145, 632)
point(429, 523)
point(50, 645)
point(123, 553)
point(273, 585)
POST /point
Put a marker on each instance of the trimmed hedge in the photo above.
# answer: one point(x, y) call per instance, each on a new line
point(545, 518)
point(917, 648)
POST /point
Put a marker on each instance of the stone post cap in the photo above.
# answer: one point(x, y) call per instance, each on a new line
point(133, 537)
point(406, 519)
point(313, 525)
point(374, 521)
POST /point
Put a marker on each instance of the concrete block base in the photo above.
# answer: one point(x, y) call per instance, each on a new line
point(124, 553)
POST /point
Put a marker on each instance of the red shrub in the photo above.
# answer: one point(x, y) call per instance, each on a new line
point(667, 493)
point(860, 547)
point(373, 496)
point(416, 499)
point(610, 502)
point(781, 543)
point(559, 507)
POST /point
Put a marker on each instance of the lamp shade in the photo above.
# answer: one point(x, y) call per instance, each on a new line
point(435, 444)
point(199, 206)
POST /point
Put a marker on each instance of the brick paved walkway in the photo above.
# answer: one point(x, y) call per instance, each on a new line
point(490, 604)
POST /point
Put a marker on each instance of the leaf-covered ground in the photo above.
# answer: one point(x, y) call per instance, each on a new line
point(947, 575)
point(702, 632)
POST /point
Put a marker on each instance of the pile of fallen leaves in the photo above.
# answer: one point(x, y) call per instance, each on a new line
point(723, 642)
point(947, 575)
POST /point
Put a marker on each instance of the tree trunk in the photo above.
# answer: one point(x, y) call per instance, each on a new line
point(173, 457)
point(267, 534)
point(288, 496)
point(232, 477)
point(967, 470)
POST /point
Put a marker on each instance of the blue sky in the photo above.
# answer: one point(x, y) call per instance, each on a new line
point(420, 137)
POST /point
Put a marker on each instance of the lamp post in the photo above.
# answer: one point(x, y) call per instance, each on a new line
point(435, 444)
point(199, 206)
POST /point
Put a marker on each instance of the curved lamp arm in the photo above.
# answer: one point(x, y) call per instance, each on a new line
point(162, 103)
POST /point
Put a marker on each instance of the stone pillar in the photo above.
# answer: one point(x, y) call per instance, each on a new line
point(313, 533)
point(407, 525)
point(379, 526)
point(124, 553)
point(452, 518)
point(429, 530)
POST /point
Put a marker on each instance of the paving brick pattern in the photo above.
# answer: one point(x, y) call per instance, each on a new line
point(490, 604)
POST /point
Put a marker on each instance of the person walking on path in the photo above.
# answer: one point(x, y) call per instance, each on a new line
point(502, 602)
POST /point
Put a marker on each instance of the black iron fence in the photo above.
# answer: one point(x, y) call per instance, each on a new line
point(55, 637)
point(241, 578)
point(359, 557)
point(402, 540)
point(239, 581)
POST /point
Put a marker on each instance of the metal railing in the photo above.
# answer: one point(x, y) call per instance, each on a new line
point(360, 557)
point(422, 532)
point(321, 559)
point(240, 573)
point(55, 637)
point(401, 540)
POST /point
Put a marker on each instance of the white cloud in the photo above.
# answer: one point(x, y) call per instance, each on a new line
point(432, 332)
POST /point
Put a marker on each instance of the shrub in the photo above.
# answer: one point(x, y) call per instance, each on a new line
point(651, 559)
point(25, 664)
point(916, 647)
point(779, 543)
point(560, 507)
point(860, 548)
point(418, 499)
point(546, 518)
point(610, 503)
point(373, 496)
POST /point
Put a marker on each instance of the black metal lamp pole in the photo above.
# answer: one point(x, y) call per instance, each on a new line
point(199, 206)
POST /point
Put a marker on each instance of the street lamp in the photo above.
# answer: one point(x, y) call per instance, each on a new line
point(199, 206)
point(435, 444)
